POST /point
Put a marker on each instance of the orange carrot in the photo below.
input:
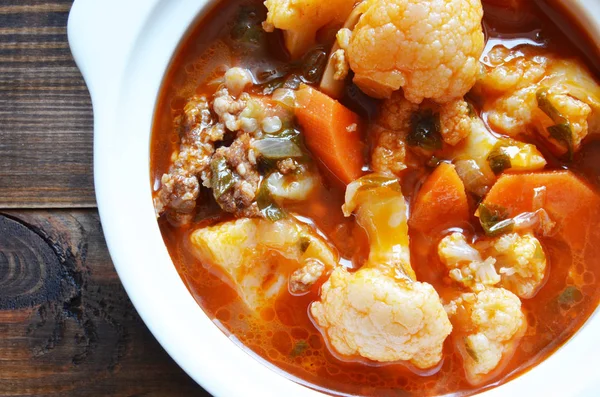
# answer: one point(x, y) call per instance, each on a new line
point(569, 202)
point(441, 202)
point(331, 132)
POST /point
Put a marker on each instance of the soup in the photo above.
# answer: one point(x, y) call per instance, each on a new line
point(385, 198)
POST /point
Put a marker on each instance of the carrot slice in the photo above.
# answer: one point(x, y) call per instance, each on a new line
point(331, 133)
point(570, 202)
point(441, 202)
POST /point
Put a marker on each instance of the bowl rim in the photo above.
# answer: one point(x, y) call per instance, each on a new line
point(124, 67)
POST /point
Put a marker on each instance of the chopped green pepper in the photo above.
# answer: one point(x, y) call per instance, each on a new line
point(371, 181)
point(570, 296)
point(562, 130)
point(494, 220)
point(277, 148)
point(498, 159)
point(471, 110)
point(222, 178)
point(425, 131)
point(304, 243)
point(563, 134)
point(299, 348)
point(267, 206)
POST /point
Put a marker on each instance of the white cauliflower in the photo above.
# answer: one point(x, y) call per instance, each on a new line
point(384, 318)
point(529, 91)
point(380, 312)
point(488, 326)
point(521, 262)
point(300, 20)
point(304, 278)
point(396, 121)
point(466, 264)
point(516, 262)
point(428, 48)
point(258, 255)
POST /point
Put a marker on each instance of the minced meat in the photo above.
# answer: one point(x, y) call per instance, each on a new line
point(240, 198)
point(203, 127)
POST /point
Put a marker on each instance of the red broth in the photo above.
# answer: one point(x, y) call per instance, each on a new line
point(284, 334)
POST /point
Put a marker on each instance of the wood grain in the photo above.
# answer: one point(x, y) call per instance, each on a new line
point(45, 110)
point(66, 325)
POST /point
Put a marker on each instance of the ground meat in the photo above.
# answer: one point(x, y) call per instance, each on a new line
point(240, 198)
point(198, 133)
point(202, 128)
point(303, 279)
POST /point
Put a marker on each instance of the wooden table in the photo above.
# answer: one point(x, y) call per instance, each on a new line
point(66, 325)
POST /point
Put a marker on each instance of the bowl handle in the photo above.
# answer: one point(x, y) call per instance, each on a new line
point(101, 34)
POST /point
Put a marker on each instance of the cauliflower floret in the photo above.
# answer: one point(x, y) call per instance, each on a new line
point(521, 262)
point(455, 121)
point(465, 263)
point(488, 326)
point(528, 90)
point(397, 121)
point(478, 154)
point(517, 262)
point(300, 20)
point(389, 152)
point(304, 278)
point(258, 255)
point(429, 48)
point(380, 312)
point(383, 318)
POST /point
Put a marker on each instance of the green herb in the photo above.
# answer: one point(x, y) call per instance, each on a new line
point(471, 110)
point(498, 159)
point(267, 206)
point(291, 134)
point(494, 220)
point(470, 351)
point(425, 131)
point(222, 178)
point(266, 166)
point(562, 130)
point(313, 65)
point(247, 27)
point(277, 148)
point(299, 348)
point(547, 107)
point(374, 181)
point(563, 134)
point(570, 296)
point(304, 243)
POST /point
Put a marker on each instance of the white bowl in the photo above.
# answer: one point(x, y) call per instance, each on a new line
point(123, 48)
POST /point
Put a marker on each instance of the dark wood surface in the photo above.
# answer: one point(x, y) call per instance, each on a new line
point(66, 325)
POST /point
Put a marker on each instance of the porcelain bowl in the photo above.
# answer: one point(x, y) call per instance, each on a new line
point(123, 48)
